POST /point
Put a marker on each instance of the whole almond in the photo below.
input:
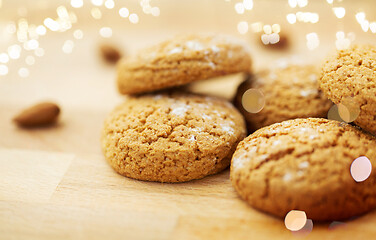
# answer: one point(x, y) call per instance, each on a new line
point(110, 53)
point(41, 114)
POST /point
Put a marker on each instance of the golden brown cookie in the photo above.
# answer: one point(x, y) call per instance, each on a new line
point(182, 60)
point(304, 164)
point(289, 93)
point(173, 137)
point(352, 73)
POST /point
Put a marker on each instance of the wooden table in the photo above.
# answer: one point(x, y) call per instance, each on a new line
point(55, 183)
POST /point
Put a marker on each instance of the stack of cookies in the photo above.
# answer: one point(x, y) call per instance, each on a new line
point(173, 136)
point(295, 159)
point(306, 164)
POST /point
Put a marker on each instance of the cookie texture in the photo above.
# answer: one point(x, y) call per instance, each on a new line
point(290, 92)
point(351, 73)
point(172, 137)
point(304, 164)
point(182, 60)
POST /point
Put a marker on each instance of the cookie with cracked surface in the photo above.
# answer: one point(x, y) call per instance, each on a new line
point(351, 73)
point(182, 60)
point(289, 93)
point(172, 137)
point(304, 164)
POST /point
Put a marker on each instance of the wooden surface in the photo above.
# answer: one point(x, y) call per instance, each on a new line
point(66, 190)
point(55, 183)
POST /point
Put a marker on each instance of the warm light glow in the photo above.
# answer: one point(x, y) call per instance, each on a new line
point(302, 3)
point(133, 18)
point(41, 30)
point(365, 25)
point(248, 4)
point(30, 60)
point(256, 27)
point(78, 34)
point(105, 32)
point(293, 3)
point(110, 4)
point(361, 169)
point(243, 27)
point(239, 8)
point(31, 44)
point(68, 46)
point(155, 11)
point(51, 24)
point(312, 40)
point(11, 28)
point(3, 70)
point(39, 52)
point(267, 29)
point(124, 12)
point(342, 41)
point(253, 100)
point(348, 109)
point(291, 18)
point(77, 3)
point(4, 58)
point(339, 12)
point(14, 51)
point(295, 220)
point(360, 17)
point(276, 28)
point(23, 72)
point(97, 2)
point(96, 13)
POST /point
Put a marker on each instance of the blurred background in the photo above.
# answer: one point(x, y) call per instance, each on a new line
point(50, 49)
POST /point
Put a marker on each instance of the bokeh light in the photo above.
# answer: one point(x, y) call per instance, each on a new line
point(295, 220)
point(253, 100)
point(336, 224)
point(78, 34)
point(97, 2)
point(361, 169)
point(39, 52)
point(110, 4)
point(124, 12)
point(312, 41)
point(333, 114)
point(14, 51)
point(339, 12)
point(96, 13)
point(23, 72)
point(68, 46)
point(41, 30)
point(105, 32)
point(348, 109)
point(239, 8)
point(77, 3)
point(133, 18)
point(3, 70)
point(243, 27)
point(307, 229)
point(4, 58)
point(29, 60)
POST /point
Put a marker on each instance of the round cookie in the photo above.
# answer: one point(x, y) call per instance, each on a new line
point(352, 73)
point(304, 164)
point(182, 60)
point(173, 137)
point(289, 93)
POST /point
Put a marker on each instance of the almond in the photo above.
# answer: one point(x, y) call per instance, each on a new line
point(110, 53)
point(41, 114)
